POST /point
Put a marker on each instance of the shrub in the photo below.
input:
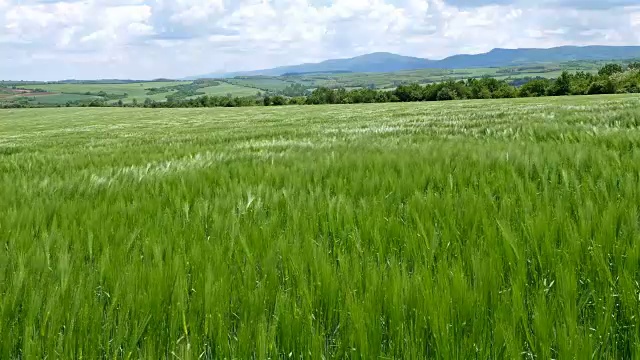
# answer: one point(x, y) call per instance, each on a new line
point(602, 87)
point(446, 94)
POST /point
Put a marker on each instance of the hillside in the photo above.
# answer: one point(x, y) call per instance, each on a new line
point(375, 62)
point(510, 57)
point(387, 62)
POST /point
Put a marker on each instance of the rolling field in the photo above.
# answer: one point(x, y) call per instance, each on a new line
point(139, 91)
point(250, 85)
point(61, 93)
point(391, 80)
point(133, 89)
point(261, 82)
point(225, 88)
point(58, 98)
point(469, 230)
point(136, 91)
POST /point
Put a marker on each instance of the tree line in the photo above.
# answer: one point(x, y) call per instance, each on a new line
point(610, 79)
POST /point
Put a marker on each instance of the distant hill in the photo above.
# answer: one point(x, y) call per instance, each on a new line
point(387, 62)
point(108, 81)
point(511, 57)
point(317, 73)
point(375, 62)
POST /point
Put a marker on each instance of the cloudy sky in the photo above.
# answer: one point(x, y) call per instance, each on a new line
point(142, 39)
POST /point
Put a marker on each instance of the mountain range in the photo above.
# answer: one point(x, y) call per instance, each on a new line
point(388, 62)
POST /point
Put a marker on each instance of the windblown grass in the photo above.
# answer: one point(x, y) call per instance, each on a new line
point(475, 229)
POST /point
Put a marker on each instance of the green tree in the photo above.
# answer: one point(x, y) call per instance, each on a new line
point(505, 92)
point(97, 103)
point(446, 93)
point(298, 100)
point(479, 89)
point(580, 83)
point(610, 69)
point(561, 86)
point(278, 100)
point(322, 95)
point(627, 82)
point(634, 65)
point(534, 88)
point(602, 87)
point(411, 92)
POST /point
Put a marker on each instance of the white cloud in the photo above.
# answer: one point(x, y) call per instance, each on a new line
point(190, 11)
point(67, 24)
point(635, 19)
point(173, 38)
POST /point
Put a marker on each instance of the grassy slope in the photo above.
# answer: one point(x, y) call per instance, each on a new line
point(226, 88)
point(386, 80)
point(473, 229)
point(48, 99)
point(137, 90)
point(134, 90)
point(59, 98)
point(275, 83)
point(131, 88)
point(250, 86)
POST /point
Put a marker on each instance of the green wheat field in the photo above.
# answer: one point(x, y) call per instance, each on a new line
point(454, 230)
